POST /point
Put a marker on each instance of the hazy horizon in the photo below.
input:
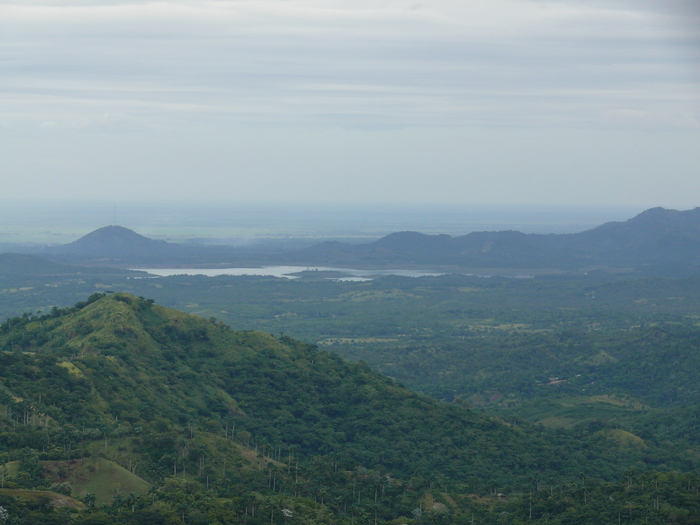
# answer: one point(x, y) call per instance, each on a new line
point(240, 223)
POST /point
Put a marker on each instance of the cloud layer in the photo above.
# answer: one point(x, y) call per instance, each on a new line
point(221, 67)
point(352, 63)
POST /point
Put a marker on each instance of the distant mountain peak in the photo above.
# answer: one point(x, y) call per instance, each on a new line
point(113, 241)
point(660, 213)
point(655, 221)
point(114, 235)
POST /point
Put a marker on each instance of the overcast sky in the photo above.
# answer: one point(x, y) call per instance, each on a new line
point(462, 101)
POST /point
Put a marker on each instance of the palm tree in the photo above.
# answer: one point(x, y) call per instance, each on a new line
point(132, 500)
point(89, 500)
point(118, 502)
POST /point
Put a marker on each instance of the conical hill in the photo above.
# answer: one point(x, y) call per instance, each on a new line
point(113, 241)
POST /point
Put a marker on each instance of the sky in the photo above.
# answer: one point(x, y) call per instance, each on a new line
point(466, 102)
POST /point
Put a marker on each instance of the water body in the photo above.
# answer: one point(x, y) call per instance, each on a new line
point(348, 274)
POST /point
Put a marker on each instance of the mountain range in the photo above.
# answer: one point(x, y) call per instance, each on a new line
point(656, 236)
point(657, 241)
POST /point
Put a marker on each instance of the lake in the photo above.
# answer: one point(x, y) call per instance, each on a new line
point(288, 272)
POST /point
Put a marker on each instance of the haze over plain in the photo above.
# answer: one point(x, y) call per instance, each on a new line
point(511, 102)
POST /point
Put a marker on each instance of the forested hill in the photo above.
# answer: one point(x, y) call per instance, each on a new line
point(237, 427)
point(122, 358)
point(655, 237)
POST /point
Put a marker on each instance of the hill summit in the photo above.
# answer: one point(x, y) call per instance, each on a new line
point(113, 241)
point(112, 235)
point(116, 244)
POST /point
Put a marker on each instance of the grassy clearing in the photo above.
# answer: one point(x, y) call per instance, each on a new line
point(99, 476)
point(567, 412)
point(558, 422)
point(480, 325)
point(377, 295)
point(601, 358)
point(618, 401)
point(11, 469)
point(353, 340)
point(56, 500)
point(72, 369)
point(626, 439)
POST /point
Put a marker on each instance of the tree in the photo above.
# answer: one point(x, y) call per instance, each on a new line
point(89, 499)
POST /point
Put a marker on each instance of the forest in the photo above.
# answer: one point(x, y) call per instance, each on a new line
point(530, 400)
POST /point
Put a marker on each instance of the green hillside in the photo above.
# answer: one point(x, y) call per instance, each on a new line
point(101, 477)
point(118, 394)
point(124, 360)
